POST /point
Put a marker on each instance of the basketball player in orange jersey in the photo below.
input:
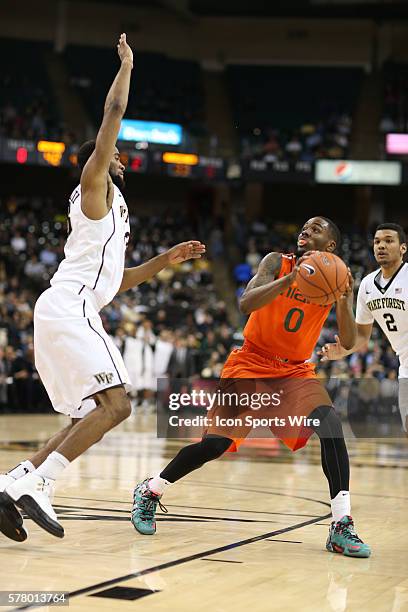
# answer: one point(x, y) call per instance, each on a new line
point(79, 365)
point(280, 336)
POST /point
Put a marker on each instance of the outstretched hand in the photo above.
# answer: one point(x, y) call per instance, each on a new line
point(332, 351)
point(193, 249)
point(124, 51)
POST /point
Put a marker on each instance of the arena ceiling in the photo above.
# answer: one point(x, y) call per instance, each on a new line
point(192, 9)
point(385, 9)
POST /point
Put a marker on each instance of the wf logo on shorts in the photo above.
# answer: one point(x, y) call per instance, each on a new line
point(104, 377)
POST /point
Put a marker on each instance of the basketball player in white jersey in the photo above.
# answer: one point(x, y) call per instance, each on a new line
point(81, 368)
point(383, 297)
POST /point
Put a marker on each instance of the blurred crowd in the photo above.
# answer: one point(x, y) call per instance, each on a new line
point(33, 121)
point(29, 122)
point(395, 101)
point(171, 326)
point(327, 139)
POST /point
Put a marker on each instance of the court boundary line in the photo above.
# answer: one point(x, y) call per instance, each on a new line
point(114, 501)
point(175, 562)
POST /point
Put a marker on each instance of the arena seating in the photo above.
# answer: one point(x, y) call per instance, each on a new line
point(178, 307)
point(293, 112)
point(163, 89)
point(28, 107)
point(32, 237)
point(395, 101)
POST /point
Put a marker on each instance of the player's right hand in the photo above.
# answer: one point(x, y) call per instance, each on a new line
point(332, 351)
point(291, 277)
point(124, 51)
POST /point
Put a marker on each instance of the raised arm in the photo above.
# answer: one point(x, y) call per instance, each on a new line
point(94, 183)
point(263, 288)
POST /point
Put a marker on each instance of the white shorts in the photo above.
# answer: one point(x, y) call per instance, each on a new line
point(74, 355)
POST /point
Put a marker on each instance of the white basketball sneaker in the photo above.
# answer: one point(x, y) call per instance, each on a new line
point(5, 481)
point(32, 493)
point(11, 521)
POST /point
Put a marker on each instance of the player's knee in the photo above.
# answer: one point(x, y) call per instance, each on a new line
point(329, 423)
point(123, 409)
point(214, 447)
point(115, 404)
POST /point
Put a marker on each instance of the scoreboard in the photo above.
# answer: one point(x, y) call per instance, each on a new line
point(173, 163)
point(211, 168)
point(193, 166)
point(168, 163)
point(43, 152)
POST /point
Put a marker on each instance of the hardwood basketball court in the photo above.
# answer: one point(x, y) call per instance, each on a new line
point(246, 532)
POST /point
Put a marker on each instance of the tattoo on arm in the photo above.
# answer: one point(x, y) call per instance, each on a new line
point(267, 271)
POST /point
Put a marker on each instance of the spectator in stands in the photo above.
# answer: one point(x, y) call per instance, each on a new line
point(146, 383)
point(3, 381)
point(213, 367)
point(181, 362)
point(48, 256)
point(389, 391)
point(293, 147)
point(18, 243)
point(253, 258)
point(387, 125)
point(8, 361)
point(34, 268)
point(162, 353)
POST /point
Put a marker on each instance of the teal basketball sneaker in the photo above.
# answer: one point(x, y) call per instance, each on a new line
point(145, 503)
point(344, 540)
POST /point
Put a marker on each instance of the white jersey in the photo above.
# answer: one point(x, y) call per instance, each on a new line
point(95, 250)
point(388, 306)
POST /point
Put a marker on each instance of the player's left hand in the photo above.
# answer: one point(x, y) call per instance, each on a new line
point(332, 351)
point(193, 249)
point(348, 294)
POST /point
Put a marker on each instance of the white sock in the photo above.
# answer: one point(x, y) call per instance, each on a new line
point(341, 505)
point(53, 466)
point(158, 485)
point(23, 468)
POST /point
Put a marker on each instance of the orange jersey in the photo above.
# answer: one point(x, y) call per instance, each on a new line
point(289, 326)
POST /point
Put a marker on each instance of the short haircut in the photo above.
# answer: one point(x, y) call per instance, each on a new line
point(334, 231)
point(84, 153)
point(396, 228)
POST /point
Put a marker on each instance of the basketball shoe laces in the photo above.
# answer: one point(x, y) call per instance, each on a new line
point(148, 506)
point(349, 531)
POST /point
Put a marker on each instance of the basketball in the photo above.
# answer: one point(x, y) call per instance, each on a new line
point(322, 278)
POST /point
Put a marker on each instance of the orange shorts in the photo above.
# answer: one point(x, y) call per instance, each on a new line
point(249, 371)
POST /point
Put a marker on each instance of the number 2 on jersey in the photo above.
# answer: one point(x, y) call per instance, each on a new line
point(390, 322)
point(294, 319)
